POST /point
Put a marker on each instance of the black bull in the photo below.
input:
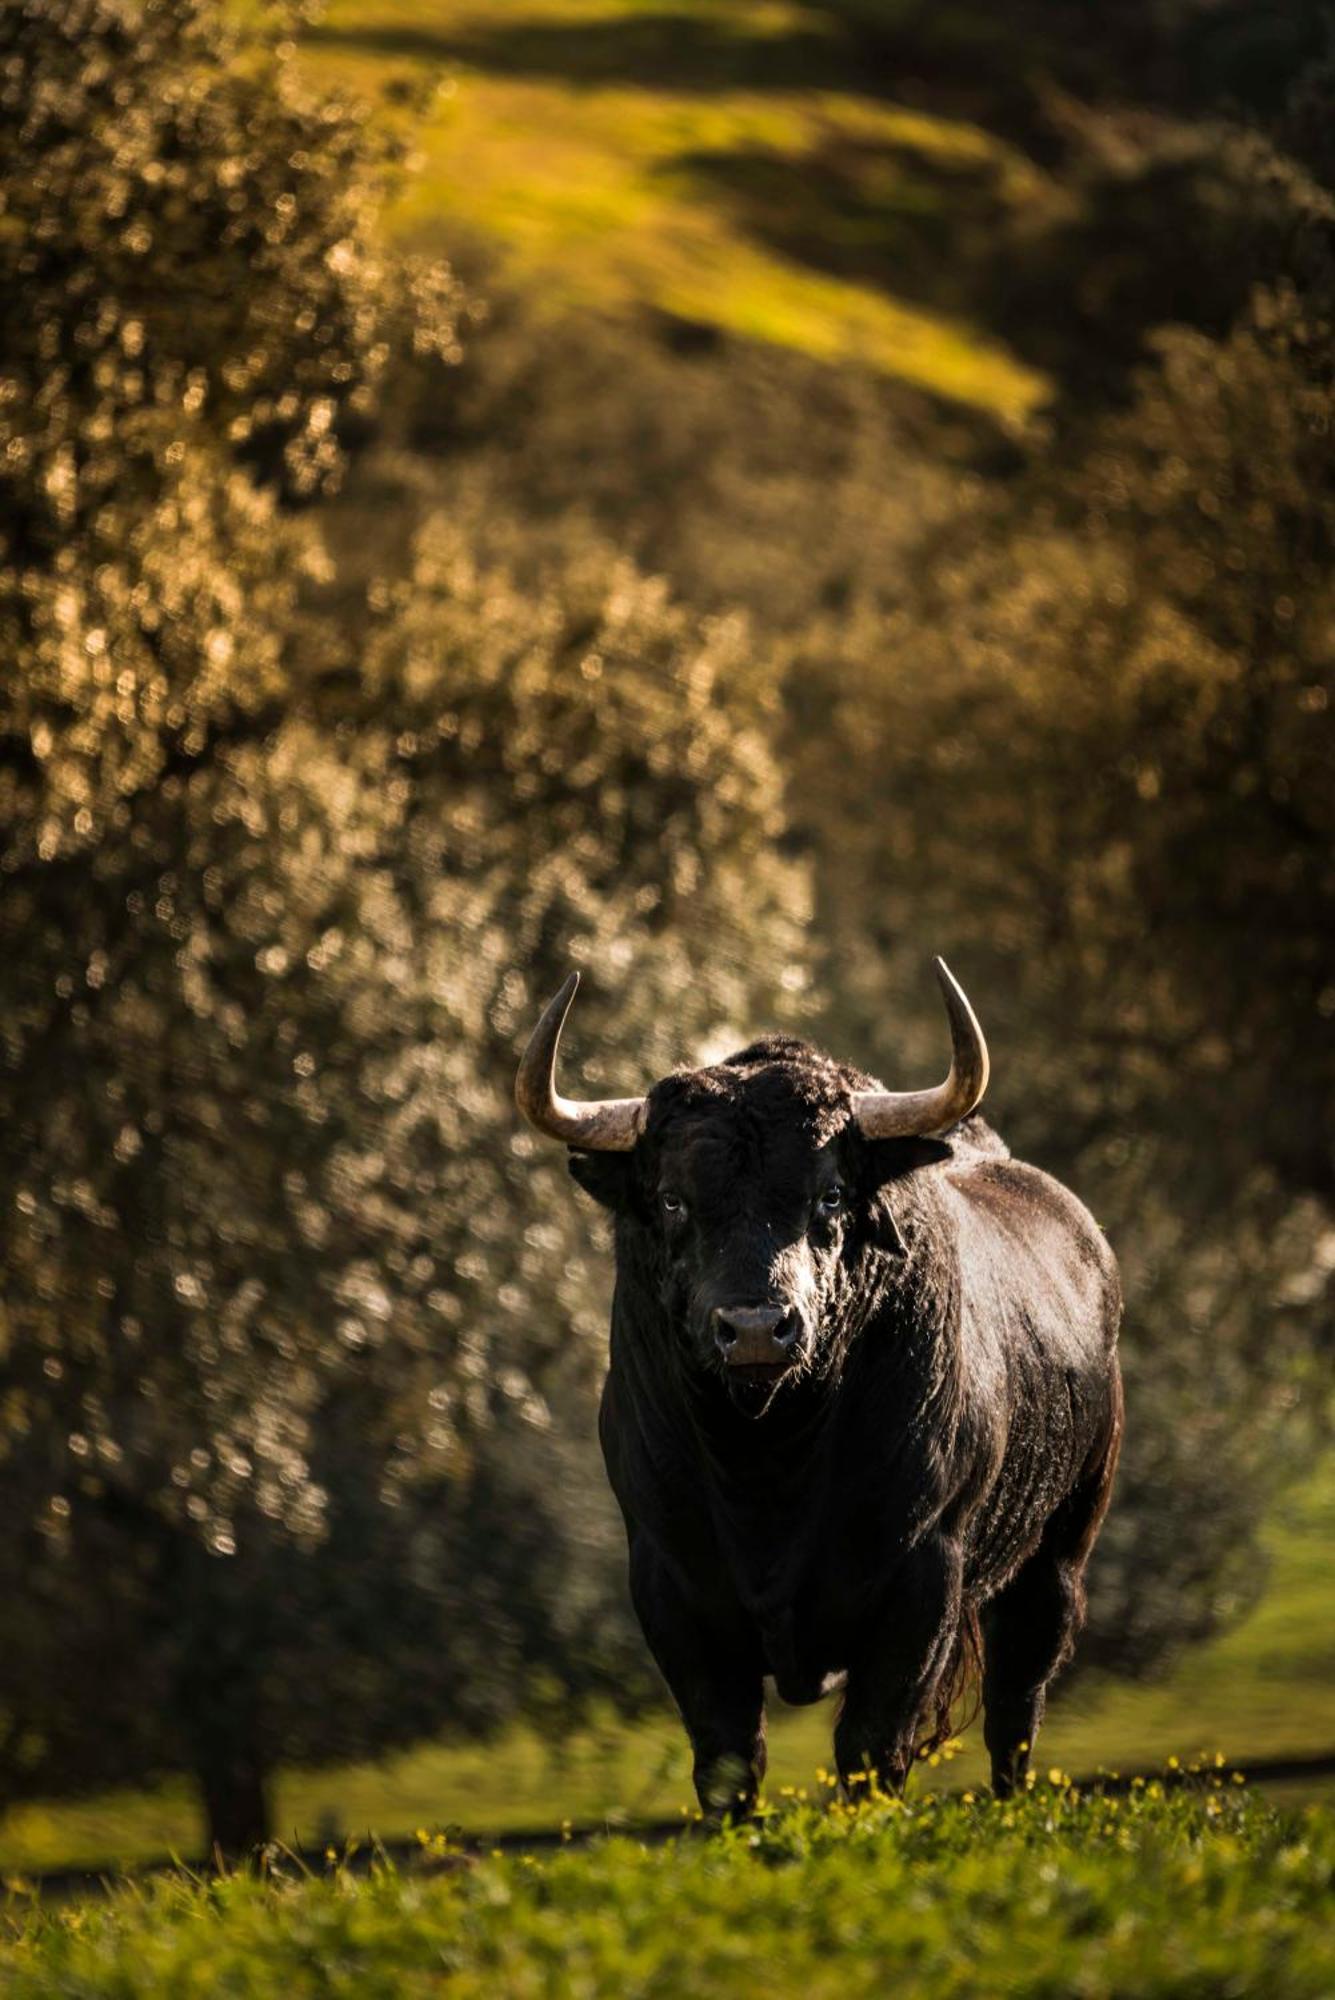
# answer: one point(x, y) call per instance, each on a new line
point(862, 1413)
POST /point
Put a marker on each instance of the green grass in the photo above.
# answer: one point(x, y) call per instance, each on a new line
point(720, 160)
point(1265, 1689)
point(1202, 1893)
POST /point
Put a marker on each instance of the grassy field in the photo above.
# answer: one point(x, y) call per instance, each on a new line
point(723, 161)
point(1201, 1893)
point(1266, 1689)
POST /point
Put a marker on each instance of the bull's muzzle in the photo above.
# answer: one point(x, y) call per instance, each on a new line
point(756, 1336)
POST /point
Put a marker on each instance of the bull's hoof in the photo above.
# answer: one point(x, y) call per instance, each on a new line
point(727, 1790)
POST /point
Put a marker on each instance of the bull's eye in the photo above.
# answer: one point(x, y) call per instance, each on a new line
point(832, 1200)
point(672, 1206)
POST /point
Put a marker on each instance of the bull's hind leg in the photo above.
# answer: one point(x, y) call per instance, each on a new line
point(1030, 1628)
point(1028, 1633)
point(716, 1675)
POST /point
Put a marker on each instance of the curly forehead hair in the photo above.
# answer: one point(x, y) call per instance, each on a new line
point(778, 1081)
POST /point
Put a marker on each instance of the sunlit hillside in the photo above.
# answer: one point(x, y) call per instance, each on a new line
point(724, 162)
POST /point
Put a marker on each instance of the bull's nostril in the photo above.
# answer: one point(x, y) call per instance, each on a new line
point(731, 1321)
point(754, 1335)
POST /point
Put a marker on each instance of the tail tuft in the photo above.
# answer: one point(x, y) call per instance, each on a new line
point(958, 1696)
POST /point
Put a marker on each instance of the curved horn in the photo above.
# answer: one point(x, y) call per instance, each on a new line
point(918, 1114)
point(607, 1125)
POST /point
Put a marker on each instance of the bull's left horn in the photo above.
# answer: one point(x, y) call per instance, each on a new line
point(918, 1114)
point(605, 1125)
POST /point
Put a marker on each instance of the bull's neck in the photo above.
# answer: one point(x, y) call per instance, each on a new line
point(793, 1426)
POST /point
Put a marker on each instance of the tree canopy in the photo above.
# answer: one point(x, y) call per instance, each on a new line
point(275, 908)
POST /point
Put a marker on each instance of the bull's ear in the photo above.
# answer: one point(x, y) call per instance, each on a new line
point(884, 1229)
point(606, 1176)
point(891, 1159)
point(888, 1161)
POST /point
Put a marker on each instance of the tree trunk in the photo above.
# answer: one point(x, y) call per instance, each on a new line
point(236, 1805)
point(222, 1615)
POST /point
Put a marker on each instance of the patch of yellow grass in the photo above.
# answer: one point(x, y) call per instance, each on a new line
point(595, 192)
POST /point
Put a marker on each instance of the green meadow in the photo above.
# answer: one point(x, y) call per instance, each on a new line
point(1206, 1892)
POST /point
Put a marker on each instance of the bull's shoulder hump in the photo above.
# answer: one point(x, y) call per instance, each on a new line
point(1038, 1210)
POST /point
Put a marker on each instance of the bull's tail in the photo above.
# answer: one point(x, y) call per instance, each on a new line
point(958, 1696)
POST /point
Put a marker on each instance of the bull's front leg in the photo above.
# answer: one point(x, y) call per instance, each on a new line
point(897, 1671)
point(713, 1666)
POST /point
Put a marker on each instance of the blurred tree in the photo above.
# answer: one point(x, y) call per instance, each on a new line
point(189, 311)
point(285, 1310)
point(187, 291)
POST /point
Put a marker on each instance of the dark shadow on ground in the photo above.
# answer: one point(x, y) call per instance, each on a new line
point(966, 57)
point(665, 51)
point(872, 211)
point(1075, 292)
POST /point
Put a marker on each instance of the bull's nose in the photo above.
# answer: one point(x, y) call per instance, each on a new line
point(754, 1336)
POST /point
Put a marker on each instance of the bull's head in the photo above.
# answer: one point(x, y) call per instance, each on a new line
point(752, 1185)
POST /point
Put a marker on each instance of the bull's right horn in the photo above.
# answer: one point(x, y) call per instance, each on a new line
point(603, 1125)
point(920, 1114)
